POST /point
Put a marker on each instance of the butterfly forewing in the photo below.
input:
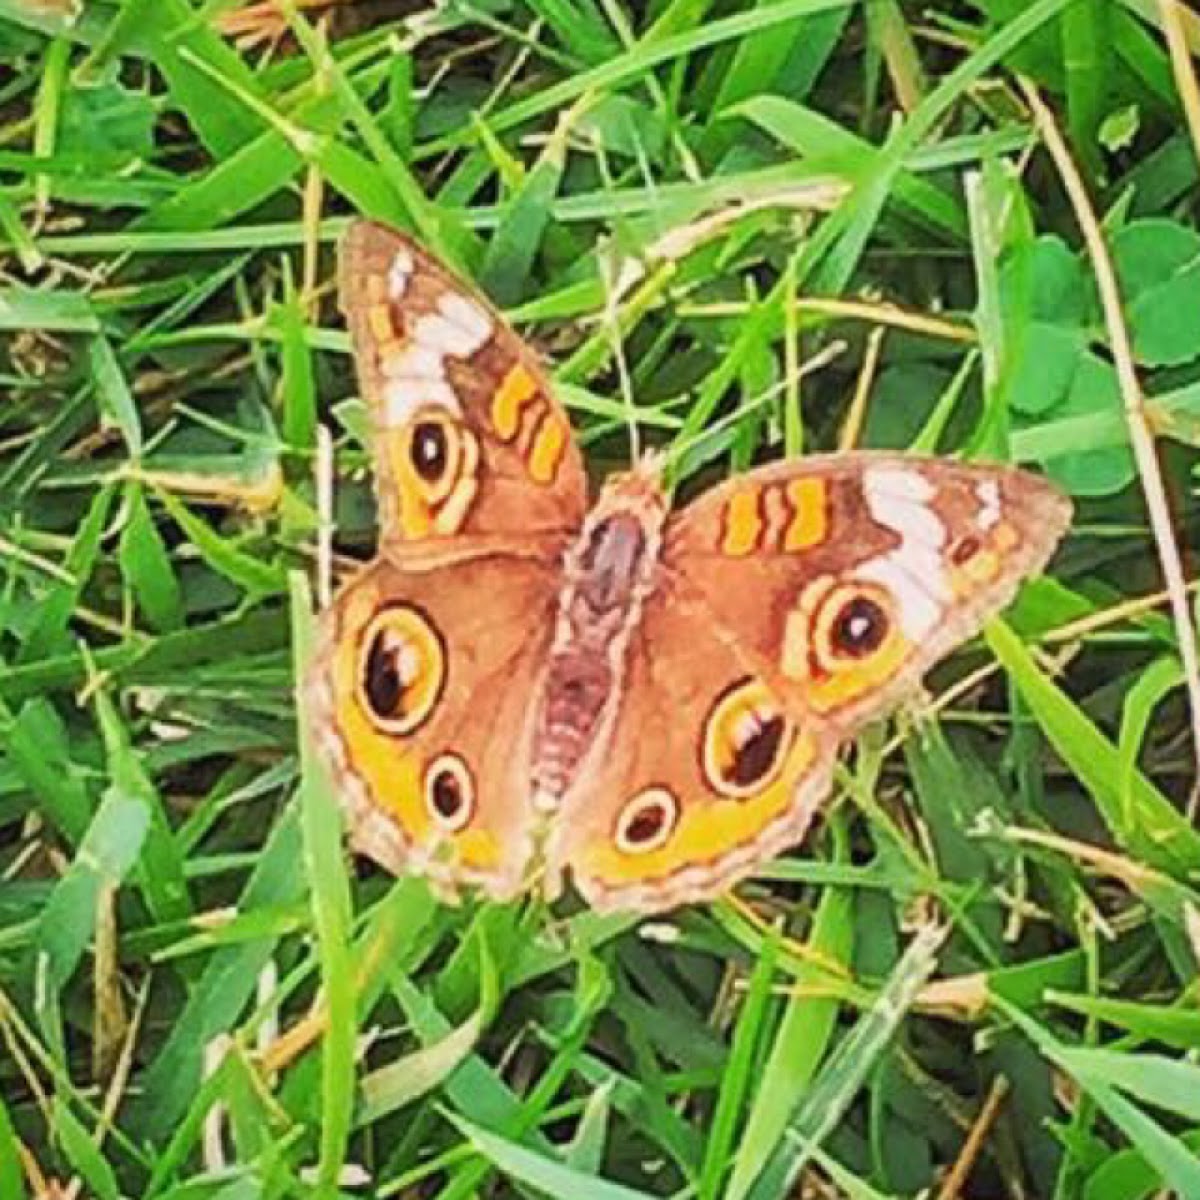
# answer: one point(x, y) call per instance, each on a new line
point(848, 576)
point(469, 442)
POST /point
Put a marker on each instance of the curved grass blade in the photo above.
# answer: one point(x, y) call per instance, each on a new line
point(824, 1104)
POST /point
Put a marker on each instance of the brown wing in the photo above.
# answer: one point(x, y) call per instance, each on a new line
point(794, 604)
point(705, 772)
point(468, 440)
point(420, 695)
point(845, 578)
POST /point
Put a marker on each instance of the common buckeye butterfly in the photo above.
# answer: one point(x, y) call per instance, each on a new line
point(650, 699)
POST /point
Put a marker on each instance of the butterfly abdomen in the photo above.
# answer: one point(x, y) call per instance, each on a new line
point(608, 572)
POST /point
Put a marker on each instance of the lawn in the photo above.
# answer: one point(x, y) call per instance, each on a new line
point(738, 231)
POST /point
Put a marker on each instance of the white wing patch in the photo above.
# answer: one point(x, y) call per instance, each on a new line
point(913, 572)
point(416, 373)
point(987, 492)
point(400, 272)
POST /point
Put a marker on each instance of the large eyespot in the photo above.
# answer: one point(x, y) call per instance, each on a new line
point(645, 823)
point(433, 446)
point(449, 792)
point(440, 453)
point(853, 623)
point(745, 740)
point(434, 461)
point(403, 669)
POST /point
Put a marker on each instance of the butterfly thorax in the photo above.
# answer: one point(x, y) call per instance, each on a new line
point(609, 570)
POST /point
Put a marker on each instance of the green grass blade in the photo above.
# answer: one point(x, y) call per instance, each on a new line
point(1154, 829)
point(537, 1171)
point(325, 868)
point(1177, 1166)
point(802, 1040)
point(107, 854)
point(824, 1104)
point(736, 1077)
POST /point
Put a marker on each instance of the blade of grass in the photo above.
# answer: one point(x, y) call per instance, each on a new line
point(1156, 832)
point(802, 1040)
point(1177, 1166)
point(325, 871)
point(823, 1105)
point(536, 1170)
point(735, 1078)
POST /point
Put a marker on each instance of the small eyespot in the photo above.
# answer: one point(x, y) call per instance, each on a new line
point(965, 549)
point(859, 628)
point(429, 451)
point(403, 669)
point(449, 792)
point(745, 740)
point(647, 821)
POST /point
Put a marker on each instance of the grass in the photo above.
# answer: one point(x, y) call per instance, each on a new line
point(803, 224)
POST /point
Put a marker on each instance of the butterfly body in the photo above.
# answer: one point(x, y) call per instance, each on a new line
point(608, 572)
point(650, 700)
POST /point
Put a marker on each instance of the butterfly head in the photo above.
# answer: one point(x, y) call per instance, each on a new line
point(639, 491)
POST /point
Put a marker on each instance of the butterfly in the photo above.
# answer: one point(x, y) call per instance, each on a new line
point(525, 684)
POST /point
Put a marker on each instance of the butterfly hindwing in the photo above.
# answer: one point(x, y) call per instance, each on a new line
point(419, 694)
point(706, 773)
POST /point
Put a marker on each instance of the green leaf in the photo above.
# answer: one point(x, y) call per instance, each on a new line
point(82, 1152)
point(296, 385)
point(1159, 679)
point(161, 873)
point(1160, 1081)
point(325, 868)
point(1043, 306)
point(539, 1172)
point(736, 1077)
point(801, 1041)
point(181, 46)
point(1107, 466)
point(46, 309)
point(108, 852)
point(226, 984)
point(106, 124)
point(247, 571)
point(49, 632)
point(12, 1177)
point(1178, 1168)
point(1128, 1174)
point(1173, 1025)
point(515, 243)
point(117, 406)
point(37, 746)
point(1147, 824)
point(1158, 266)
point(814, 136)
point(822, 1106)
